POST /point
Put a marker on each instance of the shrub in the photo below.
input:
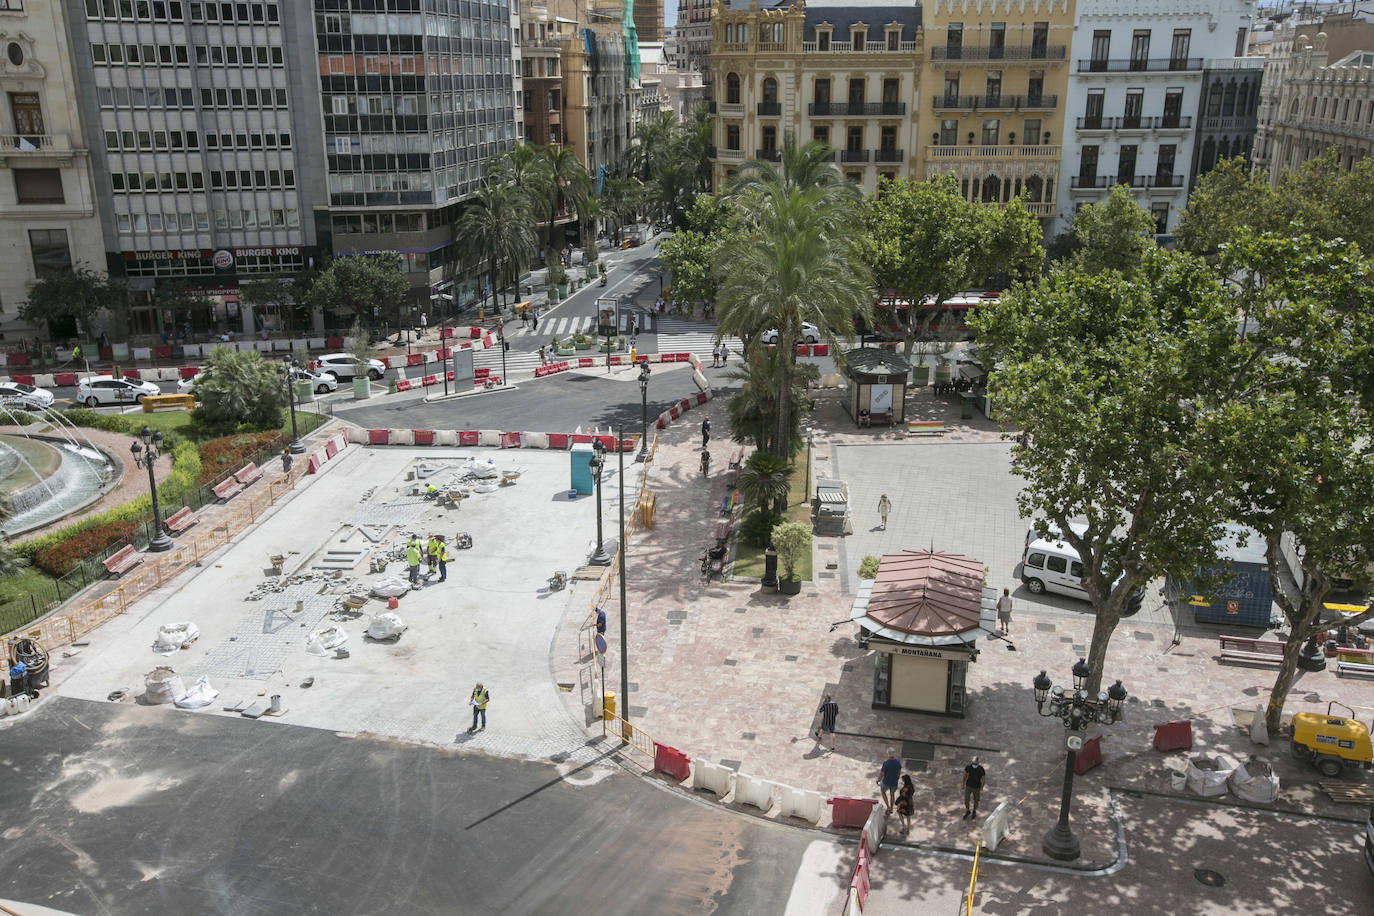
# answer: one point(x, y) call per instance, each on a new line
point(61, 557)
point(18, 417)
point(239, 388)
point(757, 526)
point(791, 539)
point(229, 452)
point(868, 567)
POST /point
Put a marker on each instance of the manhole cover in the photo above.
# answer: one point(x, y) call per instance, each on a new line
point(1208, 877)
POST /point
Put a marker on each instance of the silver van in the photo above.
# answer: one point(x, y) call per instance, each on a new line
point(1049, 565)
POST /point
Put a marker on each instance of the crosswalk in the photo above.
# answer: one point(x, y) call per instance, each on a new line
point(566, 326)
point(679, 335)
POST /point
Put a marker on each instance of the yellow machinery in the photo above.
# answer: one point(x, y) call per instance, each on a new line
point(1330, 742)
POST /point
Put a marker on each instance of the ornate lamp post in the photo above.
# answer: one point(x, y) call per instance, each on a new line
point(599, 557)
point(643, 412)
point(1077, 711)
point(144, 456)
point(285, 371)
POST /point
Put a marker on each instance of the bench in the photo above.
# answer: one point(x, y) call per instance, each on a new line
point(180, 520)
point(1251, 651)
point(1358, 669)
point(727, 505)
point(248, 473)
point(738, 460)
point(158, 401)
point(227, 489)
point(123, 560)
point(926, 427)
point(724, 529)
point(883, 417)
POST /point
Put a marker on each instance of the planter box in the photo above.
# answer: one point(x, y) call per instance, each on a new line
point(563, 289)
point(362, 389)
point(789, 586)
point(583, 346)
point(920, 376)
point(565, 352)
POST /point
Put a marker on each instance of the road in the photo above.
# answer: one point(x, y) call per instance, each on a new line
point(127, 809)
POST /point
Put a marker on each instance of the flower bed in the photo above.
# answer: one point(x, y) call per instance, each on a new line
point(227, 453)
point(61, 557)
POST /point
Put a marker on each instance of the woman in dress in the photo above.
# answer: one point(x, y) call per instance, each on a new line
point(906, 802)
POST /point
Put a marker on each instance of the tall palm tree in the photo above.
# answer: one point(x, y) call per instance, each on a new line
point(567, 181)
point(496, 225)
point(798, 261)
point(522, 168)
point(651, 145)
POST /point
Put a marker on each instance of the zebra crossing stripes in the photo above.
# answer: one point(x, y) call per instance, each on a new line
point(677, 335)
point(564, 326)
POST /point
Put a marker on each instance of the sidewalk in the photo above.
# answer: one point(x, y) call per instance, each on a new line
point(733, 674)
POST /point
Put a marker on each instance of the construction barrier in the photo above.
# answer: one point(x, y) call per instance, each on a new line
point(672, 761)
point(510, 440)
point(712, 777)
point(1174, 736)
point(751, 790)
point(423, 436)
point(996, 825)
point(858, 882)
point(802, 803)
point(874, 829)
point(378, 437)
point(468, 437)
point(1089, 757)
point(550, 369)
point(534, 440)
point(849, 812)
point(559, 440)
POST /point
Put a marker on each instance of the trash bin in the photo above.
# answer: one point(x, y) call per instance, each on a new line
point(965, 406)
point(770, 568)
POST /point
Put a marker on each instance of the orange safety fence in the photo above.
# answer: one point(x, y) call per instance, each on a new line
point(72, 622)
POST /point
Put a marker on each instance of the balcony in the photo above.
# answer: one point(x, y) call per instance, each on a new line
point(1241, 123)
point(1173, 122)
point(1140, 65)
point(37, 149)
point(1006, 52)
point(730, 155)
point(993, 102)
point(888, 154)
point(769, 109)
point(1160, 180)
point(769, 154)
point(856, 109)
point(864, 47)
point(731, 108)
point(1091, 182)
point(853, 155)
point(1039, 207)
point(992, 152)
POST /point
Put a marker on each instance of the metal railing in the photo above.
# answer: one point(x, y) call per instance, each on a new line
point(856, 109)
point(887, 154)
point(769, 109)
point(1004, 52)
point(854, 155)
point(1138, 65)
point(1086, 182)
point(768, 155)
point(998, 101)
point(865, 47)
point(1045, 151)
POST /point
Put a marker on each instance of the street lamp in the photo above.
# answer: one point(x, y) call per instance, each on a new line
point(643, 412)
point(599, 557)
point(285, 371)
point(144, 456)
point(1077, 712)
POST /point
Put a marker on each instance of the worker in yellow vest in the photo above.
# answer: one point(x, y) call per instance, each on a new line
point(478, 701)
point(413, 560)
point(432, 554)
point(441, 555)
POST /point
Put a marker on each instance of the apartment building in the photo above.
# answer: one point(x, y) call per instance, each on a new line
point(1135, 87)
point(692, 34)
point(991, 111)
point(1227, 114)
point(48, 218)
point(648, 19)
point(845, 73)
point(1323, 106)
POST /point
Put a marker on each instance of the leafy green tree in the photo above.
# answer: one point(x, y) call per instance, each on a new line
point(360, 285)
point(1122, 383)
point(927, 243)
point(1113, 235)
point(496, 224)
point(566, 178)
point(238, 389)
point(1228, 197)
point(651, 145)
point(798, 260)
point(763, 481)
point(80, 294)
point(689, 255)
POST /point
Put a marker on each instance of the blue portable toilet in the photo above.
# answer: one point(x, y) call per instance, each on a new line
point(1246, 598)
point(581, 480)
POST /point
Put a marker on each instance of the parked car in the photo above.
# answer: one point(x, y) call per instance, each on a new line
point(1051, 565)
point(344, 367)
point(106, 389)
point(188, 385)
point(320, 382)
point(17, 394)
point(809, 334)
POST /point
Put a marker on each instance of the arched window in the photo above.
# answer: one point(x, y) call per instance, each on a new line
point(770, 89)
point(1224, 148)
point(1034, 189)
point(992, 186)
point(1228, 106)
point(732, 89)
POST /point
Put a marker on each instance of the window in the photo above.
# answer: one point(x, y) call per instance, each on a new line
point(1140, 49)
point(51, 255)
point(854, 139)
point(992, 129)
point(1160, 212)
point(1173, 105)
point(1135, 104)
point(1164, 171)
point(770, 89)
point(1178, 51)
point(949, 132)
point(1214, 100)
point(1035, 87)
point(997, 41)
point(1040, 39)
point(732, 89)
point(1101, 47)
point(894, 36)
point(954, 40)
point(38, 186)
point(856, 91)
point(1092, 111)
point(1125, 165)
point(1087, 166)
point(891, 92)
point(1030, 132)
point(1057, 564)
point(951, 89)
point(888, 138)
point(1241, 42)
point(821, 134)
point(28, 116)
point(732, 136)
point(1036, 561)
point(822, 39)
point(769, 136)
point(994, 87)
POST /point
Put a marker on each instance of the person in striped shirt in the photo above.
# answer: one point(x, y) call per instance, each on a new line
point(829, 712)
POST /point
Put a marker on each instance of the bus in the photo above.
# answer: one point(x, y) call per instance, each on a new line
point(950, 320)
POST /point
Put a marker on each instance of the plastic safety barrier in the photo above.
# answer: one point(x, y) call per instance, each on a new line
point(874, 829)
point(1174, 736)
point(378, 437)
point(996, 825)
point(468, 437)
point(751, 790)
point(712, 777)
point(1089, 757)
point(849, 812)
point(402, 437)
point(802, 803)
point(558, 440)
point(510, 440)
point(423, 436)
point(672, 761)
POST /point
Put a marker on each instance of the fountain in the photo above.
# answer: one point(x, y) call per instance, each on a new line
point(42, 479)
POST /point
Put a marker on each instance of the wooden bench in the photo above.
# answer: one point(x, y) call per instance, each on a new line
point(925, 427)
point(123, 560)
point(248, 473)
point(727, 505)
point(227, 489)
point(158, 401)
point(724, 528)
point(180, 520)
point(883, 417)
point(1251, 651)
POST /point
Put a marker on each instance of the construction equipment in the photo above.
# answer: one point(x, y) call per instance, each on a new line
point(1331, 743)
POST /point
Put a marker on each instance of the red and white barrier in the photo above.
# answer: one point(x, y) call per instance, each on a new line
point(333, 446)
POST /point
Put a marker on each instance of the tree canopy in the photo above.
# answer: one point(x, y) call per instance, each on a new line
point(1112, 235)
point(238, 388)
point(79, 293)
point(363, 285)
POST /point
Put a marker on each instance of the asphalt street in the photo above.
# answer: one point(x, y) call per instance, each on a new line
point(125, 809)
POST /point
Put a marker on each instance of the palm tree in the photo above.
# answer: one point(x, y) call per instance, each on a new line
point(521, 167)
point(798, 261)
point(567, 181)
point(497, 225)
point(651, 145)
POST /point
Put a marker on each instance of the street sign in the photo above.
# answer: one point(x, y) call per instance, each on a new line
point(600, 642)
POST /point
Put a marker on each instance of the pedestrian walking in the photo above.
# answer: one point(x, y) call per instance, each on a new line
point(441, 554)
point(478, 701)
point(286, 459)
point(1004, 611)
point(884, 507)
point(600, 622)
point(524, 318)
point(543, 359)
point(890, 770)
point(534, 321)
point(906, 802)
point(705, 431)
point(974, 777)
point(715, 356)
point(431, 555)
point(424, 323)
point(829, 711)
point(413, 560)
point(724, 354)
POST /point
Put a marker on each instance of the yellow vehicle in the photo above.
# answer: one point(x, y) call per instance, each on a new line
point(1331, 743)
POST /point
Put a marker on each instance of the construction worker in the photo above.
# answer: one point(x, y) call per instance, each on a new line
point(413, 560)
point(432, 554)
point(478, 701)
point(431, 491)
point(441, 554)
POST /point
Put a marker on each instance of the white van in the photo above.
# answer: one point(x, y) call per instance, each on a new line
point(1050, 565)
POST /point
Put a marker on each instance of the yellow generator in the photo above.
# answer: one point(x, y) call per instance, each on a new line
point(1331, 743)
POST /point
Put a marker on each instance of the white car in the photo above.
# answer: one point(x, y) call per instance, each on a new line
point(343, 367)
point(321, 382)
point(16, 394)
point(809, 334)
point(188, 385)
point(106, 389)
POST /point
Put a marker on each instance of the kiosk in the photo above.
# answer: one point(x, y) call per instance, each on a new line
point(877, 386)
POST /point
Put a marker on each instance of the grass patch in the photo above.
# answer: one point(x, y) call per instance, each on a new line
point(167, 421)
point(27, 581)
point(749, 559)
